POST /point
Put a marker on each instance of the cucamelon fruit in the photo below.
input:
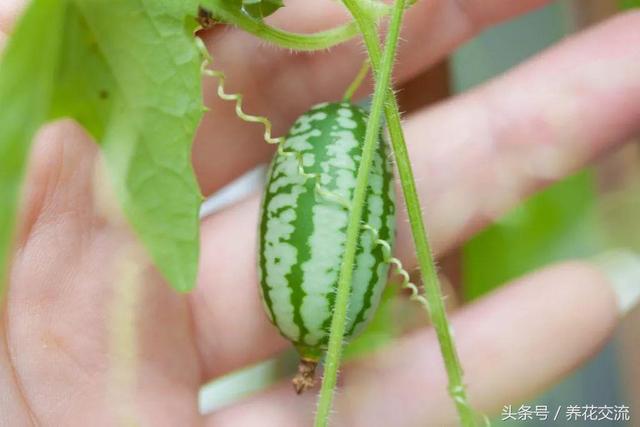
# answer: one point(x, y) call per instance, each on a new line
point(302, 229)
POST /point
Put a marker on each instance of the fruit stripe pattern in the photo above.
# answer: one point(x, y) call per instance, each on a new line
point(302, 234)
point(316, 179)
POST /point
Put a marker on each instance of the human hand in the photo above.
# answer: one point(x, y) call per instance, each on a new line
point(91, 332)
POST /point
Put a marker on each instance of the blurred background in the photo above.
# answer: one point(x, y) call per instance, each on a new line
point(595, 210)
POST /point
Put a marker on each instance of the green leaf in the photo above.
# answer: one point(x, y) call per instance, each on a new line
point(85, 87)
point(129, 72)
point(232, 4)
point(257, 9)
point(261, 8)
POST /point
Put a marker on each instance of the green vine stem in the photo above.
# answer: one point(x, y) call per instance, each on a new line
point(300, 42)
point(334, 352)
point(428, 270)
point(357, 81)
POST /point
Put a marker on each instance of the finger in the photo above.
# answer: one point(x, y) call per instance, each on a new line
point(282, 86)
point(458, 149)
point(479, 155)
point(513, 344)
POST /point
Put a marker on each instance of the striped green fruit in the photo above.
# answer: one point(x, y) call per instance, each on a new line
point(303, 231)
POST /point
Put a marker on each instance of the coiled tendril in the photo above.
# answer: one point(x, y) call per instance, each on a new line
point(279, 141)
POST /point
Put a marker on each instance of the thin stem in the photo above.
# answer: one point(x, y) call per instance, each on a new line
point(334, 352)
point(428, 270)
point(296, 41)
point(357, 82)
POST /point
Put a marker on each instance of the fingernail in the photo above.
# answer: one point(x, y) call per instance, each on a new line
point(622, 267)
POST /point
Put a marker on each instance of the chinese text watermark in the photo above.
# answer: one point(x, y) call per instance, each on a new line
point(569, 413)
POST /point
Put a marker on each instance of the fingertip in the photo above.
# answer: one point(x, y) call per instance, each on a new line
point(622, 269)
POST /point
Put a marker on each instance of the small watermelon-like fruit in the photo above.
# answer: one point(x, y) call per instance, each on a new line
point(302, 231)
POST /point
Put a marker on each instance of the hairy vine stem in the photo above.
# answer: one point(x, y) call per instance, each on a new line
point(357, 81)
point(435, 303)
point(299, 42)
point(383, 78)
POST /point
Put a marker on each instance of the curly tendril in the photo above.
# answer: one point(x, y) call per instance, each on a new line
point(320, 190)
point(400, 270)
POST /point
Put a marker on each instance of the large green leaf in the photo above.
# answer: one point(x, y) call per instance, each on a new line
point(129, 72)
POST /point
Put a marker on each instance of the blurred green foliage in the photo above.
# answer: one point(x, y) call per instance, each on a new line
point(629, 4)
point(557, 224)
